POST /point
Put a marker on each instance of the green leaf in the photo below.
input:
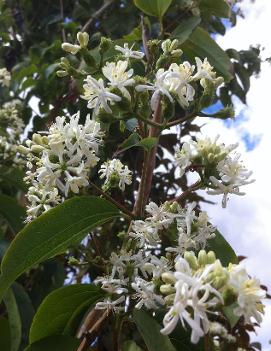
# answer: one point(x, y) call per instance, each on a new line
point(150, 332)
point(13, 176)
point(148, 143)
point(55, 343)
point(202, 45)
point(53, 233)
point(4, 334)
point(130, 345)
point(183, 31)
point(231, 316)
point(12, 212)
point(58, 309)
point(131, 141)
point(219, 8)
point(25, 308)
point(155, 8)
point(222, 249)
point(14, 319)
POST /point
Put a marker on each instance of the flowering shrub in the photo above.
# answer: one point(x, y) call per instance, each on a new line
point(144, 267)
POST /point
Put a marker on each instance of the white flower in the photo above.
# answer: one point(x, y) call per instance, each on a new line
point(145, 233)
point(118, 76)
point(178, 79)
point(70, 48)
point(193, 231)
point(98, 96)
point(111, 285)
point(41, 200)
point(129, 53)
point(146, 295)
point(64, 157)
point(110, 305)
point(114, 171)
point(5, 77)
point(250, 294)
point(160, 218)
point(183, 157)
point(232, 175)
point(119, 262)
point(171, 47)
point(204, 70)
point(192, 294)
point(160, 86)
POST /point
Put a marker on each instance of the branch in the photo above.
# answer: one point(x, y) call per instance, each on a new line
point(97, 14)
point(62, 16)
point(148, 165)
point(145, 38)
point(113, 201)
point(192, 188)
point(181, 120)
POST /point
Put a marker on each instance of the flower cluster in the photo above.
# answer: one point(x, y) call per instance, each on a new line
point(199, 286)
point(115, 174)
point(60, 162)
point(5, 77)
point(192, 231)
point(177, 81)
point(99, 96)
point(11, 126)
point(219, 168)
point(194, 291)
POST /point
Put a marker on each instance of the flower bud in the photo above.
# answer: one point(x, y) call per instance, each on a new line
point(105, 44)
point(37, 138)
point(61, 73)
point(167, 289)
point(70, 48)
point(83, 39)
point(190, 257)
point(23, 150)
point(202, 258)
point(64, 63)
point(36, 149)
point(168, 278)
point(211, 257)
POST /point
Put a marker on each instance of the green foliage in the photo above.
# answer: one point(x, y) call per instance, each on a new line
point(15, 324)
point(202, 45)
point(12, 212)
point(52, 234)
point(54, 318)
point(153, 7)
point(222, 249)
point(5, 336)
point(55, 343)
point(186, 28)
point(149, 328)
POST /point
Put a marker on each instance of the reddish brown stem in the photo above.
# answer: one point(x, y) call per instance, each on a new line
point(148, 165)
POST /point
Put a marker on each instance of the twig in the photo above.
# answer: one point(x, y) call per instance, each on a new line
point(145, 38)
point(90, 326)
point(64, 38)
point(97, 14)
point(192, 188)
point(181, 120)
point(113, 201)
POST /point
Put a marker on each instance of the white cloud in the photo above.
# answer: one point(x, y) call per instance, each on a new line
point(246, 221)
